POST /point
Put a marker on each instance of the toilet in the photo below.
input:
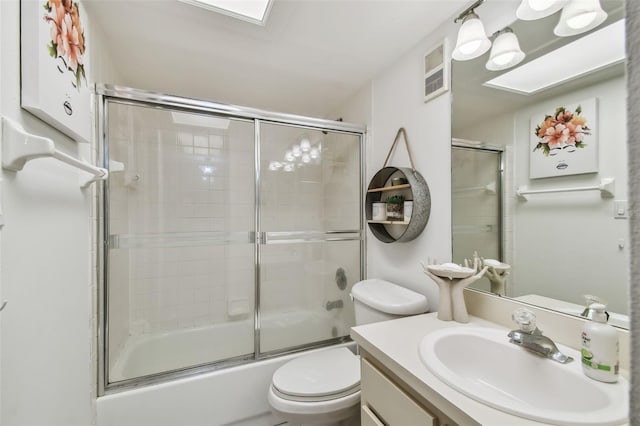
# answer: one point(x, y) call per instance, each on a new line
point(323, 387)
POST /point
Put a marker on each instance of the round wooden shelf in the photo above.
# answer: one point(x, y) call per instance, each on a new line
point(417, 186)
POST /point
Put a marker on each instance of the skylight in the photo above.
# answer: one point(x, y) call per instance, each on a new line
point(590, 53)
point(254, 11)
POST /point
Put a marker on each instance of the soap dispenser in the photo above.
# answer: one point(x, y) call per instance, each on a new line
point(600, 347)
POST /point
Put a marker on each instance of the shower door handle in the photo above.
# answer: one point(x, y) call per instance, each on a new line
point(259, 237)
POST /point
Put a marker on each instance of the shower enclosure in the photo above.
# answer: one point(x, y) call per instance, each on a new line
point(230, 234)
point(476, 199)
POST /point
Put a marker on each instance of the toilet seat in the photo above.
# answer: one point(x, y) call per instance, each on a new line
point(320, 376)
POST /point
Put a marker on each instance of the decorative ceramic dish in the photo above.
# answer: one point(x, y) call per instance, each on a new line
point(497, 265)
point(450, 270)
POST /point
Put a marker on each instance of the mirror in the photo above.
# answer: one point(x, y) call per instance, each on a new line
point(563, 238)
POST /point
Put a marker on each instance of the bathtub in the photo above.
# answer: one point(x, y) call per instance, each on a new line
point(231, 396)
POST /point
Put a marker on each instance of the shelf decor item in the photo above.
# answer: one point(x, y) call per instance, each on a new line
point(387, 185)
point(395, 207)
point(379, 211)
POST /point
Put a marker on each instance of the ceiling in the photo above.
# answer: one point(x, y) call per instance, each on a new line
point(309, 58)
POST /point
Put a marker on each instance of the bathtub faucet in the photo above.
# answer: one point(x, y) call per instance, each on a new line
point(334, 304)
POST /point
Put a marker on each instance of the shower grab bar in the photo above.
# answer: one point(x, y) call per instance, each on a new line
point(18, 147)
point(606, 188)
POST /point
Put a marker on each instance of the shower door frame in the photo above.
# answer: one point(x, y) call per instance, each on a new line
point(500, 151)
point(135, 97)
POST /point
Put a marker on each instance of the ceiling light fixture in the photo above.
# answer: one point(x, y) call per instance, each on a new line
point(472, 38)
point(579, 16)
point(505, 52)
point(530, 10)
point(606, 47)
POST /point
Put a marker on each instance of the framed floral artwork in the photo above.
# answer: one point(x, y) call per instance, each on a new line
point(564, 141)
point(54, 65)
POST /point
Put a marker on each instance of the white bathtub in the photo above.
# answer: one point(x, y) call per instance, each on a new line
point(155, 353)
point(236, 395)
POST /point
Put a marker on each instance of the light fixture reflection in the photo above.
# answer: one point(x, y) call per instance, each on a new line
point(505, 52)
point(207, 170)
point(305, 145)
point(472, 39)
point(530, 10)
point(579, 16)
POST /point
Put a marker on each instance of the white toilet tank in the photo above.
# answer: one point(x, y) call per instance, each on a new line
point(378, 300)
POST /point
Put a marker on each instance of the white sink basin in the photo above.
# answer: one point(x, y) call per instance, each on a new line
point(482, 364)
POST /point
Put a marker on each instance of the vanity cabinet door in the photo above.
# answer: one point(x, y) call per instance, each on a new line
point(368, 418)
point(388, 403)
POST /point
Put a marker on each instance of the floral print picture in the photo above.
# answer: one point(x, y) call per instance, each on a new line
point(563, 141)
point(67, 37)
point(55, 65)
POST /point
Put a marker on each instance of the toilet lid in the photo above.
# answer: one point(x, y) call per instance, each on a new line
point(322, 375)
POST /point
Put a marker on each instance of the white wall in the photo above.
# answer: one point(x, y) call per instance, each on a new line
point(394, 99)
point(577, 230)
point(46, 329)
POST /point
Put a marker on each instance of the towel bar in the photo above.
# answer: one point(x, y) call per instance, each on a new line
point(18, 147)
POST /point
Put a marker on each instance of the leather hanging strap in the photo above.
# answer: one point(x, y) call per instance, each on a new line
point(402, 132)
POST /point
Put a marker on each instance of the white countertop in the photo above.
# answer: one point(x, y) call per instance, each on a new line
point(395, 344)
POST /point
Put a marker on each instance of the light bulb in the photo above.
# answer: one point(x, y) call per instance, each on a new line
point(296, 151)
point(289, 156)
point(207, 170)
point(539, 5)
point(581, 21)
point(305, 145)
point(314, 153)
point(274, 165)
point(504, 58)
point(306, 158)
point(470, 47)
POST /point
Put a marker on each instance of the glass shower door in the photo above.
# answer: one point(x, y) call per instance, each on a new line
point(476, 206)
point(310, 222)
point(180, 227)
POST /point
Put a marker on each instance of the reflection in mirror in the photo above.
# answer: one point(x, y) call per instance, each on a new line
point(563, 245)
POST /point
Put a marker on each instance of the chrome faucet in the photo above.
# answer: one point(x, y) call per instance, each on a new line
point(530, 337)
point(334, 304)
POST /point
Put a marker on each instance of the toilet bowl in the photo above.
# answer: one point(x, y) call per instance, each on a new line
point(320, 388)
point(323, 387)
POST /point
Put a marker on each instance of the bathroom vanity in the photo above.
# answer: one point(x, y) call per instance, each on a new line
point(397, 387)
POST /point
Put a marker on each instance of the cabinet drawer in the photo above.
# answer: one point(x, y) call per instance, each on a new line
point(389, 403)
point(368, 418)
